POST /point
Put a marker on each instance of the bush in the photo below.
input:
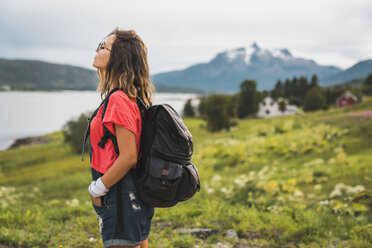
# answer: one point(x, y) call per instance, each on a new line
point(74, 131)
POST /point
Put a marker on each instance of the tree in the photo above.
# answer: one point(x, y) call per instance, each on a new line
point(188, 109)
point(248, 100)
point(314, 81)
point(278, 90)
point(367, 85)
point(303, 87)
point(282, 104)
point(218, 112)
point(315, 99)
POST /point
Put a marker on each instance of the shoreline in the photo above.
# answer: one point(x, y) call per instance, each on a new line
point(27, 141)
point(24, 140)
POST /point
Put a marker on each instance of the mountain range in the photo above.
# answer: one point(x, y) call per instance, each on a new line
point(40, 75)
point(223, 73)
point(228, 69)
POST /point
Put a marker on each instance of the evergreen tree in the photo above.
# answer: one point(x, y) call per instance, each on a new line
point(314, 81)
point(315, 99)
point(188, 109)
point(303, 87)
point(367, 85)
point(248, 100)
point(287, 86)
point(278, 90)
point(218, 112)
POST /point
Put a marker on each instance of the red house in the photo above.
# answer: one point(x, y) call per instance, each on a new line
point(346, 99)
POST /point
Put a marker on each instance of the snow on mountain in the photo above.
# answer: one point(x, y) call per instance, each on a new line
point(264, 54)
point(229, 68)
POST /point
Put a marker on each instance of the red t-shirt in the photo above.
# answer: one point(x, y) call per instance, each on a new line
point(122, 111)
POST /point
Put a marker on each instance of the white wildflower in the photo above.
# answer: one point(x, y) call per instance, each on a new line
point(323, 203)
point(73, 203)
point(337, 190)
point(216, 178)
point(241, 180)
point(318, 186)
point(356, 189)
point(298, 193)
point(210, 190)
point(314, 162)
point(274, 209)
point(338, 150)
point(227, 191)
point(341, 188)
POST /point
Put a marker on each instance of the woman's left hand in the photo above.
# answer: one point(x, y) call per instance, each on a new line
point(97, 188)
point(96, 201)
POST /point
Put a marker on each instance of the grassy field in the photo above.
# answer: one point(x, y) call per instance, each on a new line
point(295, 181)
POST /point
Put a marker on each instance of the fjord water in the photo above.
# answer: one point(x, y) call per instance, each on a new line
point(25, 114)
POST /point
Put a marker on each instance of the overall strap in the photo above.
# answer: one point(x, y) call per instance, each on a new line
point(106, 133)
point(87, 131)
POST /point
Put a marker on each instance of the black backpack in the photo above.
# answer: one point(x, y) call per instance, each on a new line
point(164, 174)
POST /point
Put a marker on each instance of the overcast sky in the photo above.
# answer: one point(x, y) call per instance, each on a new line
point(179, 33)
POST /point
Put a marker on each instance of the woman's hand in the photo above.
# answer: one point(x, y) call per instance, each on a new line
point(96, 201)
point(97, 188)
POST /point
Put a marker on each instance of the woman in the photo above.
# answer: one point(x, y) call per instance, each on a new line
point(121, 61)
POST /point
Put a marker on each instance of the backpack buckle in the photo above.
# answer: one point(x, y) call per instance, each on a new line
point(163, 184)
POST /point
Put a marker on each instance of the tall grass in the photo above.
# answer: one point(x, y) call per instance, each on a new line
point(295, 181)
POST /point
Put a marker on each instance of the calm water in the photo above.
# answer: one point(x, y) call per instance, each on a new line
point(25, 114)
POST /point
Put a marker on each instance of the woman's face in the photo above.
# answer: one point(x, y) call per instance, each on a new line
point(103, 53)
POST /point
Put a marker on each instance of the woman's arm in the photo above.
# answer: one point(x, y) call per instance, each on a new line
point(127, 156)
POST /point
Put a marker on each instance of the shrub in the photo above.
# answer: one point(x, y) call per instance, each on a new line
point(74, 131)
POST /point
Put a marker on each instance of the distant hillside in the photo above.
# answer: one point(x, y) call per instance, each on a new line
point(228, 69)
point(39, 75)
point(360, 70)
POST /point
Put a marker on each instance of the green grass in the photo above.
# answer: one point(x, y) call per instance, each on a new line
point(273, 181)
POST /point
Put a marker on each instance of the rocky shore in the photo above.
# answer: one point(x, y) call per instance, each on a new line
point(28, 141)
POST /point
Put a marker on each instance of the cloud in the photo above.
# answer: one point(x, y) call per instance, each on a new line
point(181, 33)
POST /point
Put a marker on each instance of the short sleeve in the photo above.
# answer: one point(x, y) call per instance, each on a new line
point(122, 111)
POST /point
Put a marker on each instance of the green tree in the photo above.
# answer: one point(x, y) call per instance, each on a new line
point(278, 90)
point(315, 99)
point(188, 109)
point(282, 104)
point(367, 85)
point(74, 131)
point(314, 81)
point(248, 99)
point(218, 112)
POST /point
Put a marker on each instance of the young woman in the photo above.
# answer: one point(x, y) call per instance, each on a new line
point(121, 61)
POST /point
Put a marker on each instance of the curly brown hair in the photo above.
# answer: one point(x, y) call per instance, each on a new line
point(127, 68)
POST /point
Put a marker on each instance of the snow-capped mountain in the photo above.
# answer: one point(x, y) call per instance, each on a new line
point(228, 69)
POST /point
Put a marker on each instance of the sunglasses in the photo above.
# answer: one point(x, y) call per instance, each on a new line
point(101, 46)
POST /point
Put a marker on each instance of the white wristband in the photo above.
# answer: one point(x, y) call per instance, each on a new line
point(97, 188)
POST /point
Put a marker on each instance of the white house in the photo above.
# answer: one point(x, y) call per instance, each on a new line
point(268, 107)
